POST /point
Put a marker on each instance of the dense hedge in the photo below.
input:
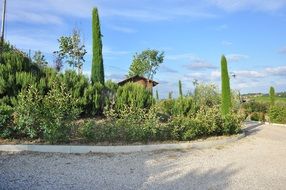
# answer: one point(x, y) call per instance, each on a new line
point(277, 114)
point(139, 125)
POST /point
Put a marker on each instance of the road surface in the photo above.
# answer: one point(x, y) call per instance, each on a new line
point(257, 161)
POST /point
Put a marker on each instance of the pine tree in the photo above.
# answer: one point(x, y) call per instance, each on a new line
point(97, 70)
point(180, 89)
point(272, 96)
point(226, 97)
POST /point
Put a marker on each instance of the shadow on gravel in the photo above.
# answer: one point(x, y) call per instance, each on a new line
point(253, 129)
point(179, 173)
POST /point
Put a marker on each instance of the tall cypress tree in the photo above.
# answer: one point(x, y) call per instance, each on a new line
point(97, 69)
point(226, 97)
point(157, 95)
point(272, 96)
point(180, 89)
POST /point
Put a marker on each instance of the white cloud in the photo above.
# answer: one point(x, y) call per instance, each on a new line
point(108, 51)
point(198, 64)
point(122, 29)
point(215, 74)
point(226, 43)
point(283, 50)
point(182, 56)
point(279, 71)
point(249, 74)
point(167, 69)
point(222, 27)
point(256, 5)
point(236, 57)
point(115, 77)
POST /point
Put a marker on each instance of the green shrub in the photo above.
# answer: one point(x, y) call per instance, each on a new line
point(166, 107)
point(86, 131)
point(174, 107)
point(257, 116)
point(28, 113)
point(277, 114)
point(206, 95)
point(133, 95)
point(49, 117)
point(5, 120)
point(256, 110)
point(207, 122)
point(60, 109)
point(94, 99)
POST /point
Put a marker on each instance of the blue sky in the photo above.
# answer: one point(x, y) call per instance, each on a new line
point(193, 35)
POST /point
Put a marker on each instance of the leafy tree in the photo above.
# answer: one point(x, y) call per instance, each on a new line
point(272, 96)
point(180, 89)
point(146, 63)
point(206, 95)
point(72, 50)
point(97, 69)
point(226, 94)
point(58, 62)
point(39, 59)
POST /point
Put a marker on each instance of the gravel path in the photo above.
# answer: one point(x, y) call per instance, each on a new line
point(255, 162)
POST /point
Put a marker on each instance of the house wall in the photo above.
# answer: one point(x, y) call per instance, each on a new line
point(146, 84)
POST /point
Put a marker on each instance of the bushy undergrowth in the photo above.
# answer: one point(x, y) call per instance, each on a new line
point(277, 113)
point(255, 111)
point(141, 125)
point(49, 117)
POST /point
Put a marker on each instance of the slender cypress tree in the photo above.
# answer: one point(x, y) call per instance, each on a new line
point(170, 95)
point(97, 69)
point(272, 96)
point(157, 95)
point(226, 97)
point(180, 89)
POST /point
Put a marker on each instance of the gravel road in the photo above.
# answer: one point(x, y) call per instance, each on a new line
point(255, 162)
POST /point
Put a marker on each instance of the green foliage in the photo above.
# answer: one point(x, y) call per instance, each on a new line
point(206, 95)
point(277, 113)
point(257, 116)
point(157, 95)
point(133, 95)
point(94, 99)
point(16, 72)
point(60, 109)
point(256, 110)
point(207, 122)
point(170, 95)
point(72, 50)
point(97, 70)
point(87, 131)
point(5, 120)
point(146, 63)
point(28, 113)
point(180, 88)
point(183, 106)
point(39, 59)
point(226, 95)
point(272, 96)
point(49, 117)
